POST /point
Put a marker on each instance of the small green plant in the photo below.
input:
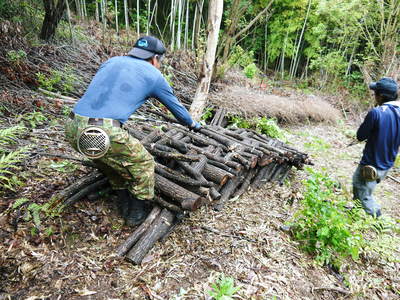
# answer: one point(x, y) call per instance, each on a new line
point(269, 127)
point(56, 80)
point(35, 118)
point(10, 135)
point(251, 70)
point(64, 166)
point(240, 57)
point(207, 115)
point(16, 56)
point(224, 288)
point(8, 167)
point(10, 158)
point(317, 144)
point(239, 122)
point(397, 162)
point(263, 125)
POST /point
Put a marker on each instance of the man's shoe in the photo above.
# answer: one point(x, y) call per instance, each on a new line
point(137, 212)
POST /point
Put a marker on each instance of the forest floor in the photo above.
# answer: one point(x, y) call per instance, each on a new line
point(73, 255)
point(244, 241)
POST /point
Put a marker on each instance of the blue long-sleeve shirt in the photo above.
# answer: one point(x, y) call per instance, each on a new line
point(121, 85)
point(381, 129)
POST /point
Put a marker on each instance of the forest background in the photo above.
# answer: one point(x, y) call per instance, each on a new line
point(323, 44)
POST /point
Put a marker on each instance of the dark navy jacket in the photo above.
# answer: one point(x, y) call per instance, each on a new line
point(381, 129)
point(121, 85)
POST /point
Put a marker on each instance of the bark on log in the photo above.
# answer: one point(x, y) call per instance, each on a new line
point(135, 236)
point(188, 200)
point(85, 191)
point(165, 204)
point(74, 188)
point(245, 184)
point(178, 178)
point(216, 174)
point(156, 231)
point(227, 191)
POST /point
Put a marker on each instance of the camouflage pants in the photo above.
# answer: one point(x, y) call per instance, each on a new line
point(127, 164)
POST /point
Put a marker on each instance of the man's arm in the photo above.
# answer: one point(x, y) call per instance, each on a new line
point(163, 92)
point(365, 129)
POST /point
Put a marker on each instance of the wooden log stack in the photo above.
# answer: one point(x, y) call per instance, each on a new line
point(198, 168)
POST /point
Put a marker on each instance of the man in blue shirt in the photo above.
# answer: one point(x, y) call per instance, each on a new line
point(121, 85)
point(381, 130)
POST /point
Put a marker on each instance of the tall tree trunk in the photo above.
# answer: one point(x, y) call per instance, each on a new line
point(138, 18)
point(54, 10)
point(148, 17)
point(97, 11)
point(215, 10)
point(200, 5)
point(296, 56)
point(186, 26)
point(126, 16)
point(78, 8)
point(116, 15)
point(179, 32)
point(231, 37)
point(69, 23)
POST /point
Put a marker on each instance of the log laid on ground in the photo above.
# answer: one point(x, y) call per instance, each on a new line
point(157, 230)
point(137, 234)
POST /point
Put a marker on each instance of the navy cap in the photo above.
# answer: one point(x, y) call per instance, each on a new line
point(146, 47)
point(386, 86)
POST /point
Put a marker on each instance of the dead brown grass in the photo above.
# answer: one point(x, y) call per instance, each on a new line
point(295, 109)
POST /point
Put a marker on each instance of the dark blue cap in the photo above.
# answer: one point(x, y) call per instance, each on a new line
point(386, 86)
point(146, 47)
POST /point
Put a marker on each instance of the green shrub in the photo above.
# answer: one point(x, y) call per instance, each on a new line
point(62, 81)
point(240, 57)
point(263, 125)
point(251, 71)
point(269, 127)
point(324, 227)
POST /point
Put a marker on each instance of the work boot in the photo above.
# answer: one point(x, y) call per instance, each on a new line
point(137, 212)
point(124, 199)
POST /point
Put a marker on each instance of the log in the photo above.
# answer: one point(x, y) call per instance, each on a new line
point(187, 199)
point(179, 178)
point(74, 188)
point(134, 237)
point(165, 204)
point(83, 192)
point(216, 158)
point(246, 183)
point(216, 174)
point(227, 191)
point(156, 231)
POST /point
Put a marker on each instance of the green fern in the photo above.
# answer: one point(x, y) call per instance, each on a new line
point(19, 202)
point(35, 210)
point(8, 165)
point(9, 135)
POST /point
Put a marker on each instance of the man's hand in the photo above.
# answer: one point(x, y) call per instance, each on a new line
point(195, 127)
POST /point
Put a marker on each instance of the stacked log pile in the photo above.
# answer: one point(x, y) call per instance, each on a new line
point(198, 168)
